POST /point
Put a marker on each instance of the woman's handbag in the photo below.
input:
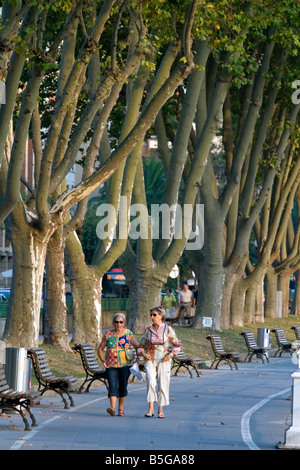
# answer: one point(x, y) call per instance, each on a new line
point(130, 354)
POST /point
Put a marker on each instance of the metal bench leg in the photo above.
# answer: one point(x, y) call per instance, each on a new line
point(186, 366)
point(195, 369)
point(63, 398)
point(261, 357)
point(248, 358)
point(266, 356)
point(56, 390)
point(281, 351)
point(33, 420)
point(70, 398)
point(90, 383)
point(182, 365)
point(82, 385)
point(20, 411)
point(251, 356)
point(218, 363)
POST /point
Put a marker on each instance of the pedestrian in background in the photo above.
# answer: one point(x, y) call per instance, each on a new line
point(185, 299)
point(169, 303)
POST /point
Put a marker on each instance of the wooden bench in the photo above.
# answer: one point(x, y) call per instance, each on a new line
point(90, 365)
point(283, 344)
point(221, 355)
point(189, 363)
point(296, 331)
point(253, 348)
point(48, 381)
point(18, 401)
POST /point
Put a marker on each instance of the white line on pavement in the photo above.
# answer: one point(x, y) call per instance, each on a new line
point(245, 422)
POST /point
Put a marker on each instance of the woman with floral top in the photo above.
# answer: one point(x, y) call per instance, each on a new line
point(117, 341)
point(158, 345)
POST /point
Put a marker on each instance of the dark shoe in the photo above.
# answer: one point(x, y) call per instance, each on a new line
point(121, 413)
point(149, 414)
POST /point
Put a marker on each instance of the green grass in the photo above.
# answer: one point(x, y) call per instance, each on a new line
point(194, 343)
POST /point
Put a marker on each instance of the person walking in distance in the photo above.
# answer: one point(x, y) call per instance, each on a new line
point(185, 298)
point(169, 303)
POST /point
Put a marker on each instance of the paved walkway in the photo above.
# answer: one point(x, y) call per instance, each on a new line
point(221, 410)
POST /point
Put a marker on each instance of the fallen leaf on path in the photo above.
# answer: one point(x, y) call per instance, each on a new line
point(14, 428)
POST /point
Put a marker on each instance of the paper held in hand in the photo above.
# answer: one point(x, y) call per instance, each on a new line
point(136, 371)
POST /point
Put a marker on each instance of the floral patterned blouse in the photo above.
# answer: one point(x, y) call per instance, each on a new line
point(159, 343)
point(115, 348)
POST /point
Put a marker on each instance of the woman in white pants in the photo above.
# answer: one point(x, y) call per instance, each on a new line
point(158, 345)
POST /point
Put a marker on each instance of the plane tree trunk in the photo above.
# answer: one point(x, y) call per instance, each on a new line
point(24, 308)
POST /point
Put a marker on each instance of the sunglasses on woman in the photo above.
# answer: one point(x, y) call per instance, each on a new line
point(156, 309)
point(116, 321)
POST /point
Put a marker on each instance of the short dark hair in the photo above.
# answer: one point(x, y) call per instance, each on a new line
point(161, 311)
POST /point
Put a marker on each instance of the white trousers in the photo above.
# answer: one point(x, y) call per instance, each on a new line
point(158, 374)
point(170, 312)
